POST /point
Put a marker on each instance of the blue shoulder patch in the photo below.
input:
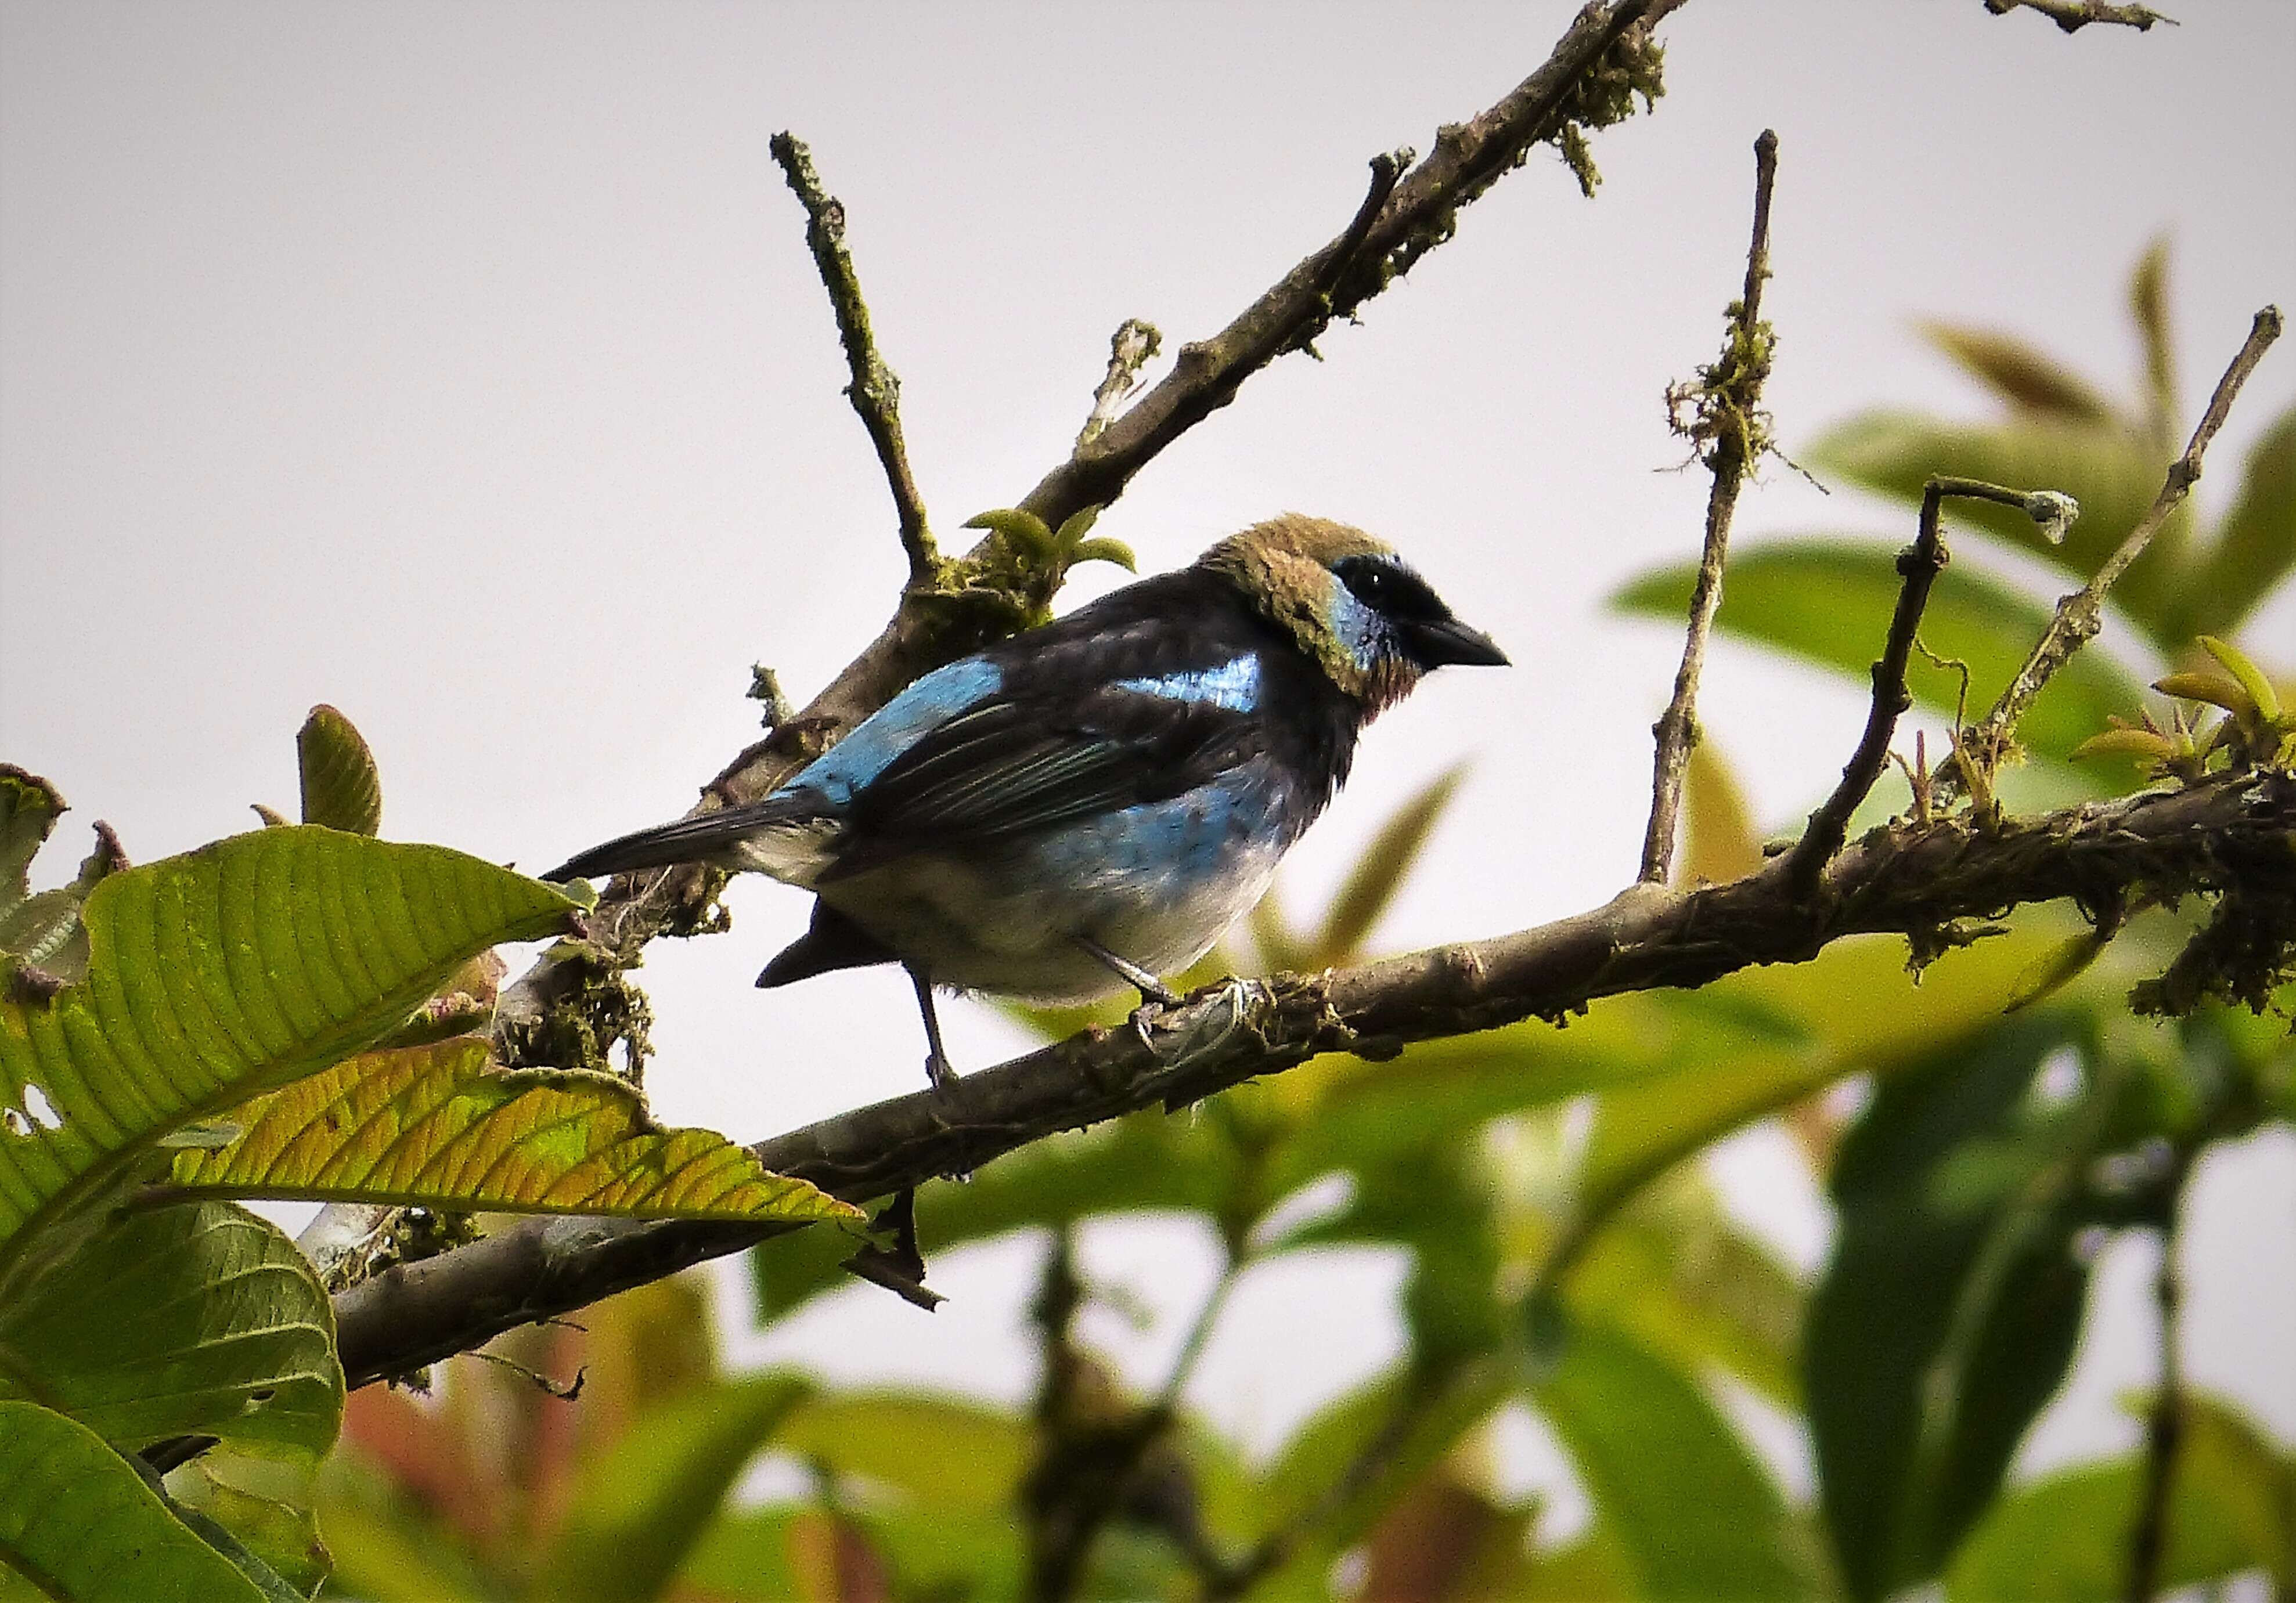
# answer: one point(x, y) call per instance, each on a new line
point(1233, 684)
point(848, 766)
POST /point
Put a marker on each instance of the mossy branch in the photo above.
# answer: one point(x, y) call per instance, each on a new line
point(1916, 880)
point(1726, 423)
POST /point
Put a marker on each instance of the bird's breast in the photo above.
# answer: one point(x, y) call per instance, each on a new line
point(1156, 883)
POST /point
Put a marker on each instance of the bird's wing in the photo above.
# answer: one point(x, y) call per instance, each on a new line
point(820, 793)
point(1037, 756)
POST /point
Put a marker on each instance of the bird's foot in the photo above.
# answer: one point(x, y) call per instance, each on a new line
point(1207, 1032)
point(940, 1073)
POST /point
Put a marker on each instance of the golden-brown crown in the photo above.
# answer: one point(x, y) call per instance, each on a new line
point(1284, 565)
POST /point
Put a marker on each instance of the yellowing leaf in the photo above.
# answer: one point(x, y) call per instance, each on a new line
point(1380, 872)
point(2206, 684)
point(1719, 842)
point(2142, 744)
point(2029, 381)
point(441, 1127)
point(2261, 696)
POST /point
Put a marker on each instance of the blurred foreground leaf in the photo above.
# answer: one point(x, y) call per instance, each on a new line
point(2064, 1538)
point(1949, 1312)
point(639, 1505)
point(1684, 1504)
point(1828, 601)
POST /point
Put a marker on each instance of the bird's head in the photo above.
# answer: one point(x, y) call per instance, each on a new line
point(1353, 606)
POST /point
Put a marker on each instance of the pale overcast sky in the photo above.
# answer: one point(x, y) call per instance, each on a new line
point(462, 365)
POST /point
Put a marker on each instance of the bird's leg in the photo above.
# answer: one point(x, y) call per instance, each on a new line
point(937, 1069)
point(1150, 987)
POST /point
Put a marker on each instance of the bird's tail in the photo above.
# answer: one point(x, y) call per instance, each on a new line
point(709, 838)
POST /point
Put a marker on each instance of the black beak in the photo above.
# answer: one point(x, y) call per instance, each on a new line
point(1436, 641)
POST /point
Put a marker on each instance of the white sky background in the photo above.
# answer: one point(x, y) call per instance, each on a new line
point(465, 367)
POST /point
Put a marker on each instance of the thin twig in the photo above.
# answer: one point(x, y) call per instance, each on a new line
point(2074, 15)
point(2079, 616)
point(1132, 347)
point(1730, 394)
point(1343, 255)
point(1918, 565)
point(875, 392)
point(2164, 1424)
point(2225, 829)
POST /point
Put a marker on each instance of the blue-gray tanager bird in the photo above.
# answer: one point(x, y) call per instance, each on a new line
point(1089, 804)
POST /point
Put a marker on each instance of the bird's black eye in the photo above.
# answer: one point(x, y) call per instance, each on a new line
point(1370, 583)
point(1387, 589)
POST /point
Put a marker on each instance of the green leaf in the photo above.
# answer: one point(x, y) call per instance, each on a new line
point(2064, 1538)
point(220, 975)
point(243, 1558)
point(2148, 304)
point(1105, 548)
point(442, 1127)
point(28, 808)
point(1380, 871)
point(341, 787)
point(1438, 1088)
point(1828, 601)
point(232, 1336)
point(1357, 1454)
point(80, 1525)
point(1076, 527)
point(281, 1533)
point(1858, 1010)
point(2028, 380)
point(1685, 1505)
point(1025, 532)
point(1592, 1569)
point(2255, 547)
point(2114, 474)
point(43, 930)
point(390, 1548)
point(1948, 1313)
point(745, 1557)
point(2262, 698)
point(639, 1507)
point(951, 1457)
point(1673, 1275)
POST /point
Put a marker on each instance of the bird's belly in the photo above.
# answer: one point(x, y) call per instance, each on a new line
point(1155, 884)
